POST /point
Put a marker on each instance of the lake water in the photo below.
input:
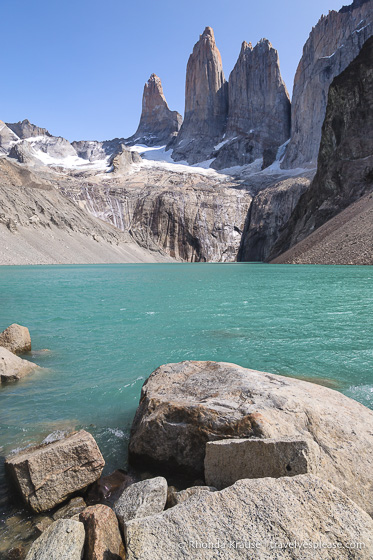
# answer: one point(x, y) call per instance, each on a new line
point(107, 327)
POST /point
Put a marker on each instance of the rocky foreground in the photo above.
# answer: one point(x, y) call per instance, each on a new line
point(284, 471)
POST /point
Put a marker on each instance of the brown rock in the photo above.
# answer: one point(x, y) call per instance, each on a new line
point(103, 539)
point(158, 125)
point(206, 102)
point(16, 339)
point(48, 474)
point(185, 405)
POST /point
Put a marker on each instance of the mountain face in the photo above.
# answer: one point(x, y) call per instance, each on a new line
point(259, 108)
point(206, 102)
point(333, 43)
point(158, 125)
point(7, 138)
point(345, 163)
point(24, 129)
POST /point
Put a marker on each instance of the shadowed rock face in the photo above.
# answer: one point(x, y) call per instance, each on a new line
point(158, 125)
point(333, 43)
point(259, 106)
point(24, 129)
point(345, 164)
point(206, 102)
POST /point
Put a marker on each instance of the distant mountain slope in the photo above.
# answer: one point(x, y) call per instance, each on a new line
point(38, 225)
point(345, 166)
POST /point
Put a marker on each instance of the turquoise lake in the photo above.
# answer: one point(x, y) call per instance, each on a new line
point(107, 327)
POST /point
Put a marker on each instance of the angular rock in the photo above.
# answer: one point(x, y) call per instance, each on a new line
point(158, 125)
point(48, 474)
point(259, 108)
point(123, 158)
point(23, 152)
point(257, 519)
point(345, 163)
point(229, 460)
point(63, 540)
point(174, 497)
point(141, 499)
point(206, 102)
point(13, 368)
point(73, 507)
point(7, 138)
point(103, 539)
point(93, 150)
point(333, 43)
point(16, 339)
point(185, 405)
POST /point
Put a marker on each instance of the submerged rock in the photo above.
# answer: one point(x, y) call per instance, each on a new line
point(13, 368)
point(103, 539)
point(48, 474)
point(141, 499)
point(63, 540)
point(257, 519)
point(16, 338)
point(183, 406)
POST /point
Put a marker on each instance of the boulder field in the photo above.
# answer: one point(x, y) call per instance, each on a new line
point(288, 466)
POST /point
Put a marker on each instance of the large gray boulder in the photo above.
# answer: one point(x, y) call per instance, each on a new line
point(13, 368)
point(183, 406)
point(260, 519)
point(48, 474)
point(16, 338)
point(141, 499)
point(63, 540)
point(229, 460)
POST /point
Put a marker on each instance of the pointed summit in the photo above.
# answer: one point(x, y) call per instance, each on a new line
point(259, 108)
point(206, 102)
point(158, 124)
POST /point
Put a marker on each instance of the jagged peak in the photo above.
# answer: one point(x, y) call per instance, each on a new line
point(265, 43)
point(246, 47)
point(208, 34)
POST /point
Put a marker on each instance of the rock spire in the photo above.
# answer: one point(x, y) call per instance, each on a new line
point(158, 124)
point(206, 102)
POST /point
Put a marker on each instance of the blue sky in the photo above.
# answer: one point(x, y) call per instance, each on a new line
point(78, 67)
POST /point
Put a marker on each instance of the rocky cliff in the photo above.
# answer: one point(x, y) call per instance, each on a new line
point(158, 125)
point(7, 138)
point(268, 214)
point(191, 221)
point(206, 102)
point(40, 226)
point(25, 129)
point(333, 43)
point(345, 163)
point(259, 108)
